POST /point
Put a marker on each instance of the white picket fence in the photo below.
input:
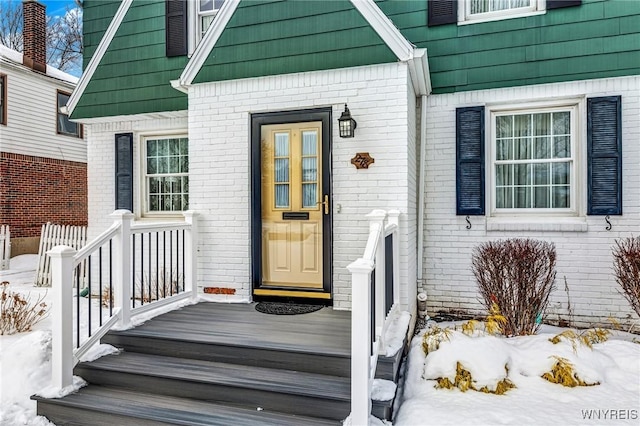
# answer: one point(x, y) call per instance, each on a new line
point(5, 247)
point(58, 235)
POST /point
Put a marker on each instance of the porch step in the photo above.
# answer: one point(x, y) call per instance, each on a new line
point(194, 346)
point(221, 365)
point(108, 406)
point(293, 392)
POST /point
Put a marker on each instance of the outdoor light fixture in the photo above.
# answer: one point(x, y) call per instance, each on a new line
point(346, 124)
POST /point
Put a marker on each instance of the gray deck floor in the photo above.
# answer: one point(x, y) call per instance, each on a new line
point(326, 331)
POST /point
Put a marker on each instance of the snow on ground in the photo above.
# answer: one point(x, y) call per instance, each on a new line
point(25, 364)
point(25, 369)
point(614, 364)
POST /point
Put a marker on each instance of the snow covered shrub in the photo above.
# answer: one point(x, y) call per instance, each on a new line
point(587, 337)
point(17, 312)
point(516, 276)
point(626, 267)
point(464, 381)
point(433, 337)
point(564, 374)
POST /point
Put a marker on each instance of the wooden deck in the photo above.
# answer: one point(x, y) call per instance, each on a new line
point(242, 325)
point(221, 364)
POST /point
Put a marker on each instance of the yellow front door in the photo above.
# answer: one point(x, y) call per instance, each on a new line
point(292, 208)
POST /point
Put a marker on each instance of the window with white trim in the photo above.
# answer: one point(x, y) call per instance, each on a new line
point(64, 126)
point(207, 10)
point(533, 160)
point(201, 14)
point(490, 10)
point(166, 174)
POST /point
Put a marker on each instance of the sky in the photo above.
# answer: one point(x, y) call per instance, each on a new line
point(57, 7)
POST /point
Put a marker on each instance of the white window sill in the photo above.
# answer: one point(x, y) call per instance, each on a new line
point(499, 17)
point(548, 224)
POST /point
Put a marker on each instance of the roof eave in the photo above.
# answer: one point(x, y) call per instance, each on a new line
point(98, 54)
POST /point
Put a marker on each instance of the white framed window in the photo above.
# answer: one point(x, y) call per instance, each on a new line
point(165, 171)
point(63, 125)
point(201, 14)
point(472, 11)
point(534, 161)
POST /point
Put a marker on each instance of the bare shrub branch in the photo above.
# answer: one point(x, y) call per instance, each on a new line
point(626, 268)
point(17, 312)
point(518, 276)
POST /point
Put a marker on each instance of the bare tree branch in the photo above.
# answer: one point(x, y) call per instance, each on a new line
point(64, 34)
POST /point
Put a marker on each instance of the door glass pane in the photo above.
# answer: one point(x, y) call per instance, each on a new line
point(309, 169)
point(282, 145)
point(282, 195)
point(309, 143)
point(309, 197)
point(282, 170)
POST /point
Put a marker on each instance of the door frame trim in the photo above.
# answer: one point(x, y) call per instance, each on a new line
point(323, 115)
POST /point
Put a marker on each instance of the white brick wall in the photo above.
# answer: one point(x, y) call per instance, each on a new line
point(219, 119)
point(101, 162)
point(584, 258)
point(219, 151)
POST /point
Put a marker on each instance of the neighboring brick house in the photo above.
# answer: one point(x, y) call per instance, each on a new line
point(484, 124)
point(42, 154)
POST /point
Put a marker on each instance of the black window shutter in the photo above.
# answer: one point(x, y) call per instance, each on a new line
point(442, 12)
point(604, 155)
point(557, 4)
point(176, 27)
point(124, 171)
point(470, 161)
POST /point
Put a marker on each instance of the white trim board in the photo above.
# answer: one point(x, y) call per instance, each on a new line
point(381, 24)
point(98, 55)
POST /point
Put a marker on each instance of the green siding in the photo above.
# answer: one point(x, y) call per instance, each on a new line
point(134, 74)
point(279, 37)
point(96, 16)
point(600, 38)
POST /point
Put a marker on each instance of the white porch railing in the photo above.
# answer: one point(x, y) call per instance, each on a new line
point(131, 269)
point(5, 247)
point(374, 294)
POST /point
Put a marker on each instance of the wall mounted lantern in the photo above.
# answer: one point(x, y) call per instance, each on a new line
point(346, 124)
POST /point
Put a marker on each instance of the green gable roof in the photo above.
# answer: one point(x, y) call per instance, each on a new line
point(134, 74)
point(278, 37)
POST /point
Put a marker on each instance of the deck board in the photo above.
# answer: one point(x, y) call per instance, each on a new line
point(328, 331)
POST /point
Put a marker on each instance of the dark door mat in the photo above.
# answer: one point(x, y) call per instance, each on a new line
point(278, 308)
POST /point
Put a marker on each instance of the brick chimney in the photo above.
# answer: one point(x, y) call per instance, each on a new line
point(34, 35)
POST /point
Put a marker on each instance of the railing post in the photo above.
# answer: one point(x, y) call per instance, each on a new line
point(191, 254)
point(394, 219)
point(376, 219)
point(122, 266)
point(62, 316)
point(360, 341)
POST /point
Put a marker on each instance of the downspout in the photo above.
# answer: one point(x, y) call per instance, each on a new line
point(421, 183)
